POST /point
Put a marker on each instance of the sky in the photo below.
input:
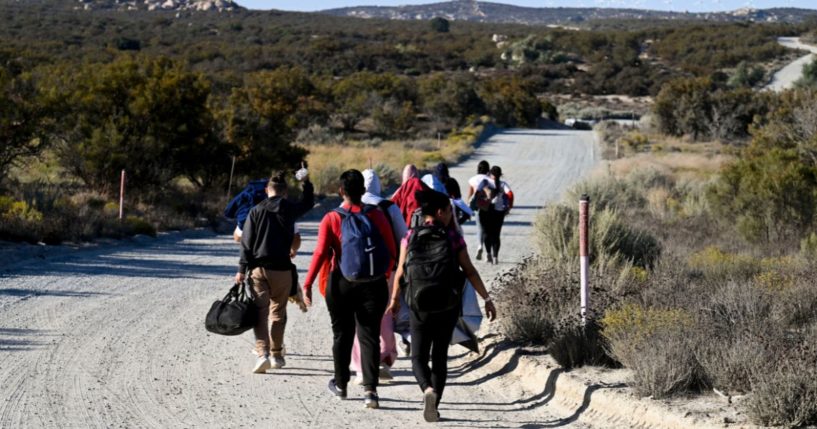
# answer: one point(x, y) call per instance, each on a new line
point(677, 5)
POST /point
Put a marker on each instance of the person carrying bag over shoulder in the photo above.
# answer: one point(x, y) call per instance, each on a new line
point(434, 261)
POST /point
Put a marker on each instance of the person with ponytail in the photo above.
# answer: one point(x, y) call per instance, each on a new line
point(353, 302)
point(434, 262)
point(492, 219)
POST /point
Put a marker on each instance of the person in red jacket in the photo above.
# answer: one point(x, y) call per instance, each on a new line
point(352, 305)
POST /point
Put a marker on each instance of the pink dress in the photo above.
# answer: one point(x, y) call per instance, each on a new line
point(388, 347)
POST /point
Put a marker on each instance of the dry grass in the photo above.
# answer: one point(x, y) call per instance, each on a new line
point(332, 159)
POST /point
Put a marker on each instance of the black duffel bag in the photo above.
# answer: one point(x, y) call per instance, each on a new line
point(234, 314)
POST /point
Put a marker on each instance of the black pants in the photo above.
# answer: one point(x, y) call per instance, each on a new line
point(492, 221)
point(361, 304)
point(430, 337)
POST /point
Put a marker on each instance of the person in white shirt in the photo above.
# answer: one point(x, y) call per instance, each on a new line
point(492, 218)
point(473, 183)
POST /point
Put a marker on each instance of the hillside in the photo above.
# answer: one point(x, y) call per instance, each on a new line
point(466, 10)
point(151, 5)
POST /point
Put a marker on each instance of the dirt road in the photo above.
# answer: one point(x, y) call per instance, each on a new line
point(114, 337)
point(785, 77)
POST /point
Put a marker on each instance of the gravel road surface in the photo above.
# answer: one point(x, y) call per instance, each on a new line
point(113, 336)
point(785, 77)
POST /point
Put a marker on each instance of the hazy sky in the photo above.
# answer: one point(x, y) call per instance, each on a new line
point(678, 5)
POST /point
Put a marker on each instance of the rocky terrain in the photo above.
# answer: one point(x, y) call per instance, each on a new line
point(469, 10)
point(171, 5)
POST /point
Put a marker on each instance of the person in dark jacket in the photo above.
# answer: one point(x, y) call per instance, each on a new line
point(267, 246)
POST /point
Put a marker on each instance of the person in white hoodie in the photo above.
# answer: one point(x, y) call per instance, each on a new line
point(388, 349)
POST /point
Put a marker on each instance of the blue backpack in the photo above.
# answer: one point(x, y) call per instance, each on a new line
point(363, 253)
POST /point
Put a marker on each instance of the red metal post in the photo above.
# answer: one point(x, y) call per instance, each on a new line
point(584, 259)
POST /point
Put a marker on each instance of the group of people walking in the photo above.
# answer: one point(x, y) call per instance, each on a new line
point(377, 262)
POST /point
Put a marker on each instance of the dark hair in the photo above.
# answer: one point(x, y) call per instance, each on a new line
point(483, 167)
point(431, 201)
point(453, 188)
point(496, 171)
point(352, 183)
point(441, 172)
point(278, 182)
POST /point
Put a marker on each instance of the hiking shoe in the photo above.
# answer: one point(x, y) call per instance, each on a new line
point(430, 413)
point(479, 254)
point(385, 372)
point(490, 260)
point(371, 400)
point(262, 365)
point(405, 347)
point(335, 390)
point(278, 362)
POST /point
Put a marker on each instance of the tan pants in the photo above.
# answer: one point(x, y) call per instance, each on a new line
point(272, 291)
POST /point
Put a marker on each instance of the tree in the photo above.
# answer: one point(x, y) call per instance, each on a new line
point(148, 116)
point(771, 189)
point(439, 24)
point(21, 115)
point(447, 96)
point(511, 101)
point(260, 118)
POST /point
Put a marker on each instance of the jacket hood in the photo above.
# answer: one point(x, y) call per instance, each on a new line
point(371, 182)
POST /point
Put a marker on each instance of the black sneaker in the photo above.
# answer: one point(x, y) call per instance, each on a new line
point(371, 400)
point(479, 254)
point(335, 390)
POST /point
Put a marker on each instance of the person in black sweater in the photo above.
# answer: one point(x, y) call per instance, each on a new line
point(268, 244)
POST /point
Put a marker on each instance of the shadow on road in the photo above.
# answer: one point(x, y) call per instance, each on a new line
point(22, 339)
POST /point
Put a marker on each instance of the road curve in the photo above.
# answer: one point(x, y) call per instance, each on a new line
point(785, 77)
point(113, 337)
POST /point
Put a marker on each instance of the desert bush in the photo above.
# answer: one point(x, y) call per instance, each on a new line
point(327, 180)
point(18, 220)
point(612, 242)
point(138, 225)
point(784, 392)
point(541, 301)
point(717, 264)
point(655, 344)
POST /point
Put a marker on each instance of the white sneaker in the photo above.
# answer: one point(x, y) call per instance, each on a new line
point(385, 372)
point(262, 365)
point(278, 362)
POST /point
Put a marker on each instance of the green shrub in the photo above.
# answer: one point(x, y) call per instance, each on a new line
point(18, 220)
point(137, 225)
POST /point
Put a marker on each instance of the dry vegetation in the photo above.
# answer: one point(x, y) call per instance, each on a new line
point(682, 294)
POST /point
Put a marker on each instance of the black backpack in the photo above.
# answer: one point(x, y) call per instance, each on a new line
point(432, 274)
point(234, 314)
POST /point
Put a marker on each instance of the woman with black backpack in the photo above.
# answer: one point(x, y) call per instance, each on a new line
point(435, 263)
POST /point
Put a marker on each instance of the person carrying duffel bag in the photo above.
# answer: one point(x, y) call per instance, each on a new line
point(268, 244)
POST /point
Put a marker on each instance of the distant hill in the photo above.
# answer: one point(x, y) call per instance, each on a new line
point(168, 5)
point(469, 10)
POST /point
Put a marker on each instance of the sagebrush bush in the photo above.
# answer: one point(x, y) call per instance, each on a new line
point(784, 392)
point(541, 303)
point(612, 242)
point(18, 220)
point(656, 345)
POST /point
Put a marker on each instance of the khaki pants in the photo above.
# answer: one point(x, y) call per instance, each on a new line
point(271, 293)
